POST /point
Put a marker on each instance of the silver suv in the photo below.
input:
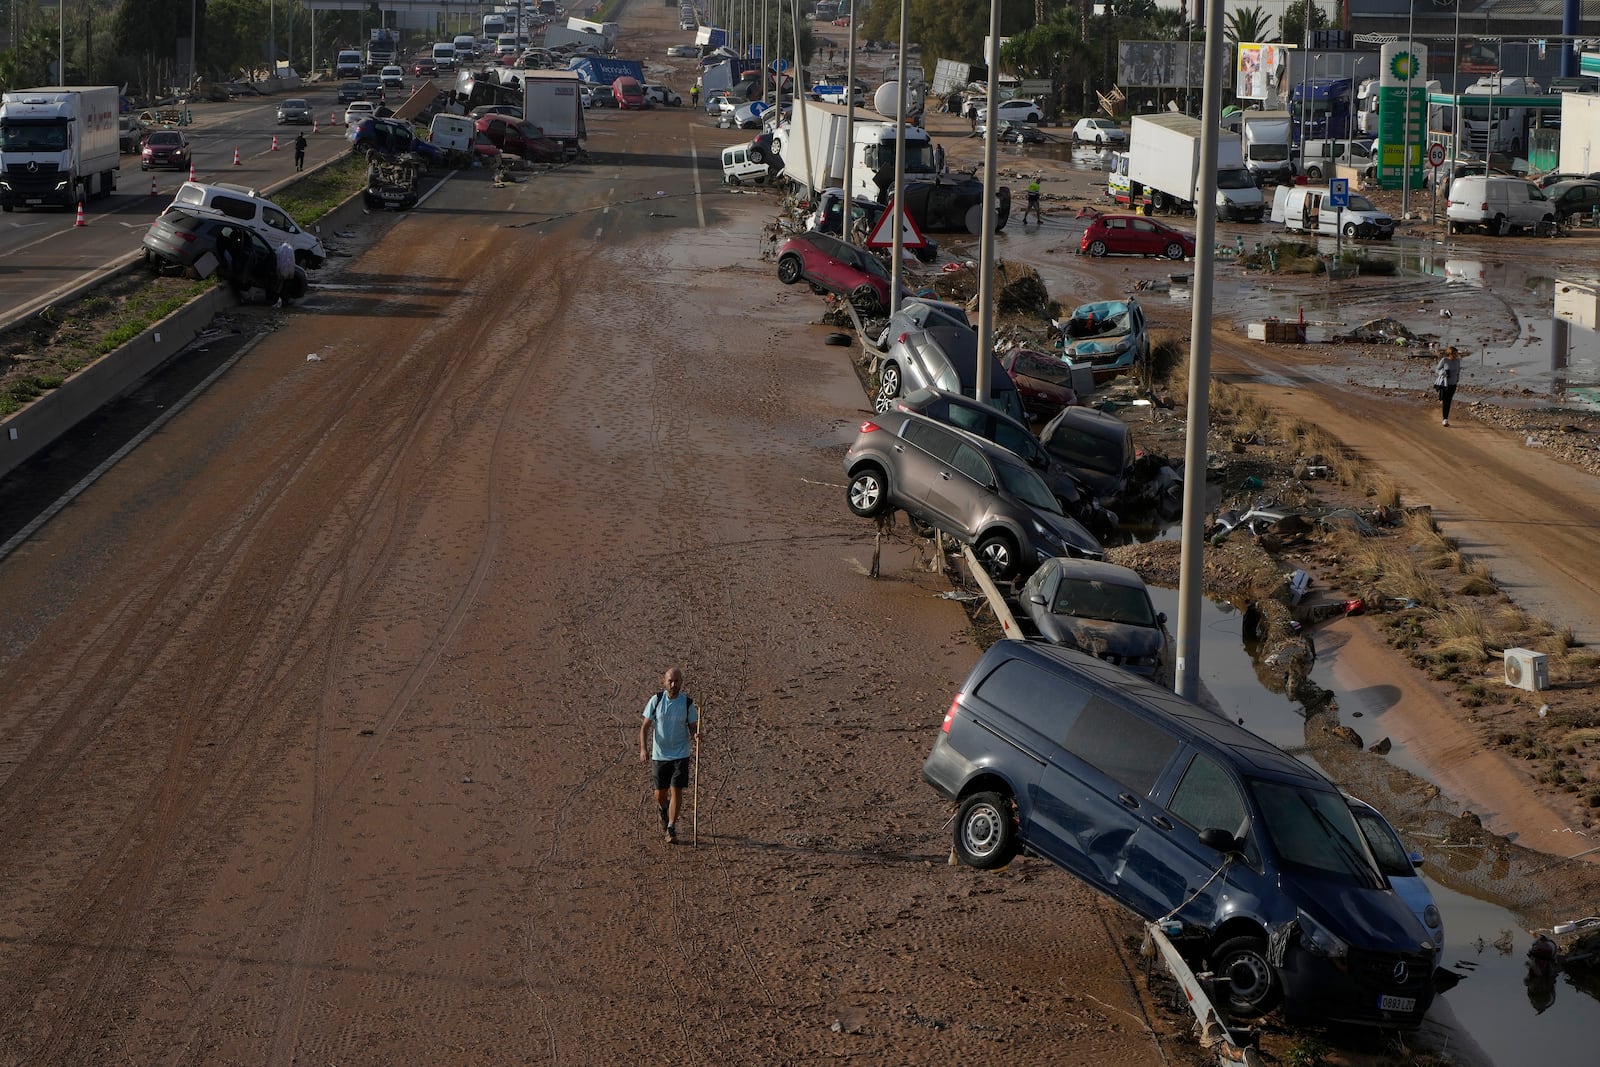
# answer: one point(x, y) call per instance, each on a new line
point(942, 356)
point(975, 490)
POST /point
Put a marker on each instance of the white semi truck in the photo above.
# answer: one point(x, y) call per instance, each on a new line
point(58, 145)
point(1163, 168)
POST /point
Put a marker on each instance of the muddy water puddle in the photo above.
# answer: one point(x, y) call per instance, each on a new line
point(1511, 1020)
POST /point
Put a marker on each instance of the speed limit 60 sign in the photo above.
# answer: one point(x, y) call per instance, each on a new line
point(1436, 155)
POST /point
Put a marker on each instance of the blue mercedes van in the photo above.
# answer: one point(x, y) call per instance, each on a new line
point(1178, 814)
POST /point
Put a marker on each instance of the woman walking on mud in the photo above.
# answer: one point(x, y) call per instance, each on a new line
point(1446, 374)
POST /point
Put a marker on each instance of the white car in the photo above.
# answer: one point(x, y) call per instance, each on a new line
point(662, 95)
point(393, 77)
point(1019, 111)
point(1099, 132)
point(361, 109)
point(687, 51)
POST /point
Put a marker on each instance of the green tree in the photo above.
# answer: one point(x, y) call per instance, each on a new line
point(1293, 20)
point(1249, 25)
point(1049, 50)
point(235, 36)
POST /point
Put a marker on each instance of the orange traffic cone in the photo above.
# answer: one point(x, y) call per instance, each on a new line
point(313, 124)
point(236, 161)
point(333, 118)
point(274, 142)
point(80, 221)
point(191, 170)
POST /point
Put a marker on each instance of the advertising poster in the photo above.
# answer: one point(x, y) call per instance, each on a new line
point(1259, 71)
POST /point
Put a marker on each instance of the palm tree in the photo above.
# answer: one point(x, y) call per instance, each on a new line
point(1249, 25)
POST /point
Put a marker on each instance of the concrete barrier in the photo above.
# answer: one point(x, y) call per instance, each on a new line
point(25, 433)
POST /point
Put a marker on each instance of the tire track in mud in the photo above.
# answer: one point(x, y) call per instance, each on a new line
point(132, 873)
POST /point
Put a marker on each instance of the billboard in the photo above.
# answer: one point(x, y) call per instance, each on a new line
point(1260, 70)
point(1160, 64)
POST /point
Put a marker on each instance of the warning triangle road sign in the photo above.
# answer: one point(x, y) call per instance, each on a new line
point(882, 237)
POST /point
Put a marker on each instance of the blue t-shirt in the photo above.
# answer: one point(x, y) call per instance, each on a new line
point(670, 738)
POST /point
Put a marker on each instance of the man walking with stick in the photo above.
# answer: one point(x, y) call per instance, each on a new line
point(675, 721)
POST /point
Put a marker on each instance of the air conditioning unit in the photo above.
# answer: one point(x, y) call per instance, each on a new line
point(1527, 669)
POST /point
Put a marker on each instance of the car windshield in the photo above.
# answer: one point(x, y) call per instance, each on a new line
point(1026, 486)
point(1314, 830)
point(22, 137)
point(1103, 454)
point(164, 138)
point(1269, 152)
point(1087, 599)
point(295, 104)
point(1049, 370)
point(1235, 178)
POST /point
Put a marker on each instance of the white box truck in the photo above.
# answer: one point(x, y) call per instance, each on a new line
point(552, 101)
point(1164, 168)
point(813, 151)
point(59, 145)
point(1267, 152)
point(608, 30)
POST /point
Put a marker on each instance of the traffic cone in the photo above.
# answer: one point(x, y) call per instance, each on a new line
point(153, 190)
point(191, 170)
point(333, 118)
point(274, 142)
point(313, 124)
point(80, 221)
point(236, 160)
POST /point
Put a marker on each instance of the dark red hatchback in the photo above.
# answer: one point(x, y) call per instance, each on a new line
point(1135, 235)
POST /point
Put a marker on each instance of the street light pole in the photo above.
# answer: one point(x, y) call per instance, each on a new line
point(1405, 140)
point(61, 44)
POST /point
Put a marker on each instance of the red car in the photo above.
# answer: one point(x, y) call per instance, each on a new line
point(164, 148)
point(1135, 235)
point(1043, 381)
point(832, 266)
point(424, 68)
point(518, 137)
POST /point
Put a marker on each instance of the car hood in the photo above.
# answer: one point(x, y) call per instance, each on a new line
point(1373, 919)
point(1090, 345)
point(1072, 532)
point(1093, 635)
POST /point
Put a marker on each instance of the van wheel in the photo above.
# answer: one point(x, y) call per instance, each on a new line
point(1252, 988)
point(757, 156)
point(1349, 229)
point(986, 831)
point(789, 269)
point(998, 554)
point(868, 492)
point(1502, 225)
point(1314, 173)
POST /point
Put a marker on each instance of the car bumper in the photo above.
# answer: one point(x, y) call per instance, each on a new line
point(1359, 991)
point(946, 769)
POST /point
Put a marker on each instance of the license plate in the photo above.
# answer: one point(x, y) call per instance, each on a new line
point(1401, 1004)
point(33, 200)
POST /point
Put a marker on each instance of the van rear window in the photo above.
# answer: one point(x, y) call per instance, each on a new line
point(234, 207)
point(1037, 698)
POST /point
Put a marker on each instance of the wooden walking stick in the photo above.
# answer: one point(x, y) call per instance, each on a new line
point(694, 823)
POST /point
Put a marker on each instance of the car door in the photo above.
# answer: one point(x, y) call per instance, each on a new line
point(1165, 865)
point(1091, 798)
point(1146, 240)
point(928, 481)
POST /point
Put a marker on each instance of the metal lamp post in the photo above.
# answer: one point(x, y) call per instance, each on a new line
point(1405, 139)
point(61, 44)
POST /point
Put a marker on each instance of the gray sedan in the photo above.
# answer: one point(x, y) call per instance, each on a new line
point(1101, 609)
point(294, 112)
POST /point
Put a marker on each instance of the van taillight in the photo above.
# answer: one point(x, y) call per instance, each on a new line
point(951, 714)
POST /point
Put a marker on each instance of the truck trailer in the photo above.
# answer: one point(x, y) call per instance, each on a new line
point(1163, 168)
point(551, 100)
point(58, 145)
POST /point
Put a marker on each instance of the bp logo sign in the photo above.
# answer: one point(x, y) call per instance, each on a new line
point(1403, 66)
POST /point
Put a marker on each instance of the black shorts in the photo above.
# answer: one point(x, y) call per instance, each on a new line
point(673, 772)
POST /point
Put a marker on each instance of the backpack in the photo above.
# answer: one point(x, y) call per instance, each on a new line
point(661, 698)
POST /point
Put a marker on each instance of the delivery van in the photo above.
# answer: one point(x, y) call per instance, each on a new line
point(1498, 204)
point(1305, 209)
point(466, 47)
point(738, 167)
point(444, 56)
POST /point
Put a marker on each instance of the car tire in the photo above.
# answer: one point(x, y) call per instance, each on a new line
point(997, 552)
point(1100, 142)
point(868, 492)
point(1350, 229)
point(1174, 251)
point(889, 378)
point(882, 403)
point(865, 300)
point(1252, 983)
point(986, 831)
point(789, 269)
point(1097, 249)
point(1314, 173)
point(757, 155)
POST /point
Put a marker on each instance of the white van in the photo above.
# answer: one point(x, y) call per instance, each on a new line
point(1498, 204)
point(1305, 209)
point(737, 166)
point(255, 211)
point(453, 133)
point(466, 47)
point(444, 56)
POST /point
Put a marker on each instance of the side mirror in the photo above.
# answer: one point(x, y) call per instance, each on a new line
point(1035, 598)
point(1220, 840)
point(1161, 617)
point(1416, 859)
